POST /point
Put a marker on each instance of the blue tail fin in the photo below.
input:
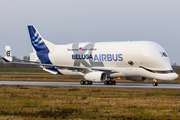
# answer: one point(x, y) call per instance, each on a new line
point(37, 40)
point(42, 48)
point(39, 45)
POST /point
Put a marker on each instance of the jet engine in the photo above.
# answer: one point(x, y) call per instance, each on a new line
point(137, 79)
point(96, 76)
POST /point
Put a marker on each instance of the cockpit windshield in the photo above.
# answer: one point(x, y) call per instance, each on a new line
point(164, 72)
point(156, 71)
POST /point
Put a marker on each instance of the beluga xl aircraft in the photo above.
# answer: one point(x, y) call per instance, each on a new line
point(136, 61)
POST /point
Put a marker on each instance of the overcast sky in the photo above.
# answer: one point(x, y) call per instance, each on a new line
point(68, 21)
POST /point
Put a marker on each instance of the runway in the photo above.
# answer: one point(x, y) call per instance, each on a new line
point(94, 85)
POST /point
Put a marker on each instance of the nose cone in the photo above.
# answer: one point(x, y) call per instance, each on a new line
point(173, 76)
point(155, 57)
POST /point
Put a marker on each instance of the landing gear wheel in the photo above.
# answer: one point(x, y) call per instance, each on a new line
point(106, 82)
point(155, 84)
point(82, 82)
point(86, 82)
point(114, 82)
point(90, 82)
point(109, 82)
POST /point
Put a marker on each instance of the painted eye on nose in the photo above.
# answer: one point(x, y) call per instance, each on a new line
point(130, 63)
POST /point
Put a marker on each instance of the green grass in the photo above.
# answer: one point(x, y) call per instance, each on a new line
point(21, 70)
point(25, 102)
point(177, 71)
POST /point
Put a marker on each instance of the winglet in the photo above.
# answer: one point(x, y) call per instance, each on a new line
point(8, 55)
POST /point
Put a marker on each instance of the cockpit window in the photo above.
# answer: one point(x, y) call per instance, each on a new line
point(156, 71)
point(164, 72)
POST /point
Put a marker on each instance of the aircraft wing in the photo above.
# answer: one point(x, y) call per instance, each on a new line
point(8, 58)
point(65, 67)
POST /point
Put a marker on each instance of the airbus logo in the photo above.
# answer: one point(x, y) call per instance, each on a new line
point(164, 54)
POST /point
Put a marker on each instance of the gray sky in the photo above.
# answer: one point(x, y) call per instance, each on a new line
point(68, 21)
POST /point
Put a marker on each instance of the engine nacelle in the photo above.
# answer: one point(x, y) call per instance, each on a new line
point(137, 79)
point(96, 76)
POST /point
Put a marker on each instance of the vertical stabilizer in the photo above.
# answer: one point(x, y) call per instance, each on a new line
point(37, 40)
point(41, 46)
point(7, 55)
point(38, 43)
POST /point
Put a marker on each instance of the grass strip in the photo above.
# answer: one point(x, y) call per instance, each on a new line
point(23, 102)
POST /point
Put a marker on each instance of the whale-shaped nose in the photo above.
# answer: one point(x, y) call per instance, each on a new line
point(173, 76)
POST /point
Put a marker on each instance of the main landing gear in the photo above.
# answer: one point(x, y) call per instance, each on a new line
point(155, 82)
point(86, 82)
point(110, 82)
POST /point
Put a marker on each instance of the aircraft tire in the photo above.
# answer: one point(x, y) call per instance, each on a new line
point(109, 82)
point(105, 82)
point(86, 82)
point(90, 82)
point(114, 82)
point(155, 84)
point(82, 82)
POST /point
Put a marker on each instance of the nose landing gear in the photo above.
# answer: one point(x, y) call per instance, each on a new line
point(155, 82)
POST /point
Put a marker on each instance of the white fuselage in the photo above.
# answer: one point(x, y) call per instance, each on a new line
point(129, 59)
